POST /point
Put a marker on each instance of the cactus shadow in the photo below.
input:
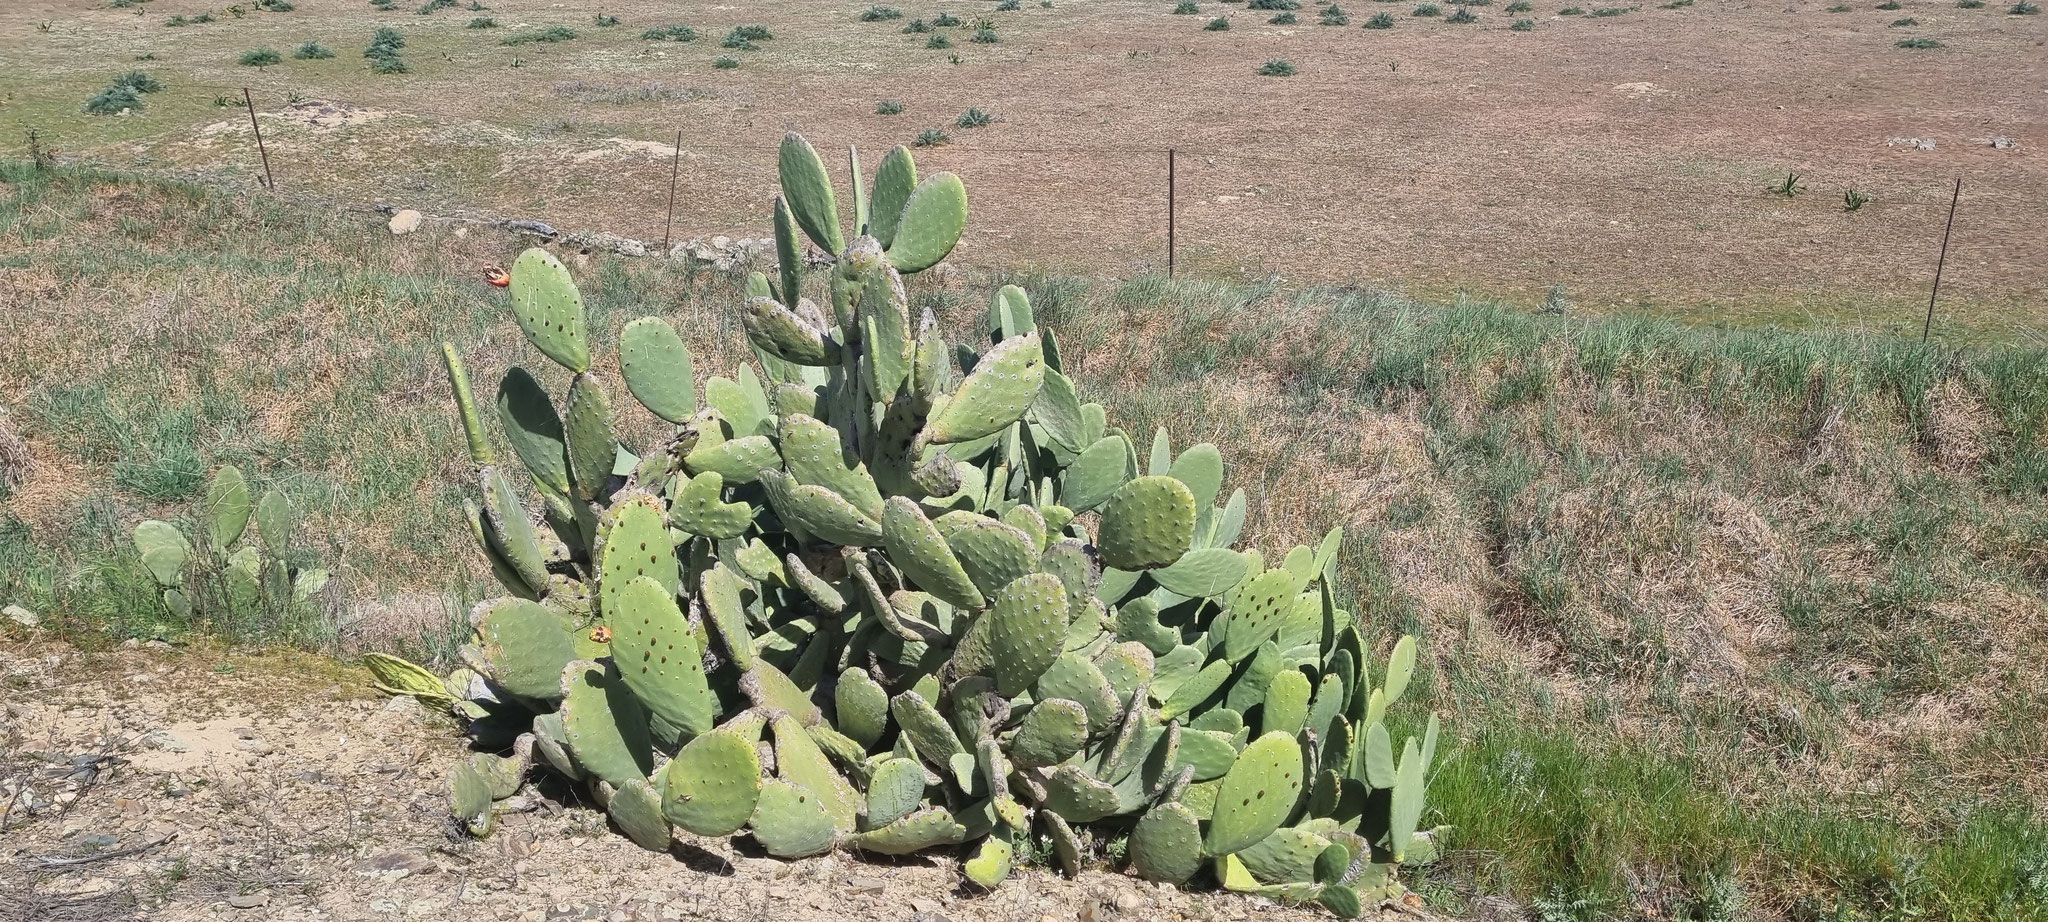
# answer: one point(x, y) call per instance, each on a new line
point(700, 859)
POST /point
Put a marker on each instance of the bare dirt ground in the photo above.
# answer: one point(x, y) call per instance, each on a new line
point(279, 787)
point(1623, 157)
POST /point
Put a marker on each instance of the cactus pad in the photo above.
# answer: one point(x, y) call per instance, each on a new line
point(861, 707)
point(1076, 679)
point(1257, 795)
point(809, 193)
point(1050, 734)
point(916, 547)
point(1149, 522)
point(991, 552)
point(927, 828)
point(927, 731)
point(1257, 611)
point(1288, 855)
point(931, 223)
point(604, 725)
point(524, 646)
point(1004, 383)
point(587, 429)
point(636, 809)
point(1166, 845)
point(1078, 797)
point(699, 509)
point(656, 653)
point(636, 544)
point(1286, 708)
point(711, 786)
point(787, 335)
point(658, 369)
point(894, 791)
point(1028, 626)
point(227, 507)
point(799, 761)
point(820, 511)
point(1202, 573)
point(991, 862)
point(727, 614)
point(549, 309)
point(790, 822)
point(164, 551)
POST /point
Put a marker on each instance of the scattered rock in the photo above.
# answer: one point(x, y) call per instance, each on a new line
point(1915, 143)
point(21, 616)
point(405, 222)
point(250, 900)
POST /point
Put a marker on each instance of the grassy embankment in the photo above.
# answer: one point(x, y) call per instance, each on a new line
point(1728, 624)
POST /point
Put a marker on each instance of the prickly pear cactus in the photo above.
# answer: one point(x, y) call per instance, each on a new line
point(231, 575)
point(890, 593)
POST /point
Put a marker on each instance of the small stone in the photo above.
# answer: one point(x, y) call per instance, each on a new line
point(924, 906)
point(21, 616)
point(405, 222)
point(250, 900)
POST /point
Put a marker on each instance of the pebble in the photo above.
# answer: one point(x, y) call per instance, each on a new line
point(250, 900)
point(405, 222)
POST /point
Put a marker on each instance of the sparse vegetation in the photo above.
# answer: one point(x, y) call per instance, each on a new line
point(931, 137)
point(1007, 6)
point(260, 58)
point(888, 107)
point(605, 21)
point(434, 6)
point(1219, 24)
point(1610, 11)
point(125, 92)
point(1969, 4)
point(742, 38)
point(1186, 8)
point(916, 27)
point(1918, 42)
point(1462, 15)
point(482, 22)
point(945, 19)
point(880, 14)
point(1841, 8)
point(1522, 25)
point(974, 118)
point(1787, 187)
point(1853, 200)
point(1429, 9)
point(200, 19)
point(2025, 8)
point(675, 32)
point(1518, 6)
point(1282, 19)
point(1907, 21)
point(546, 35)
point(1889, 5)
point(1275, 5)
point(1571, 11)
point(1334, 15)
point(726, 63)
point(312, 51)
point(938, 43)
point(1277, 67)
point(1380, 21)
point(985, 36)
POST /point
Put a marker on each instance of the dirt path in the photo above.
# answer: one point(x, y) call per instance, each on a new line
point(282, 788)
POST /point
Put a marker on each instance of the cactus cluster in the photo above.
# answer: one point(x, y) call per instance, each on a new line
point(225, 578)
point(894, 594)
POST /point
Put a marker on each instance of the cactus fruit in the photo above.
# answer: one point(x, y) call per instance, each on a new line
point(860, 596)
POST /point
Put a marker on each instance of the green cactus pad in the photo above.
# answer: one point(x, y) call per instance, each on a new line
point(1128, 667)
point(992, 553)
point(1078, 797)
point(1096, 474)
point(737, 460)
point(1138, 621)
point(991, 862)
point(604, 725)
point(549, 309)
point(1191, 693)
point(698, 508)
point(789, 258)
point(727, 614)
point(767, 687)
point(931, 223)
point(658, 369)
point(1341, 901)
point(1148, 523)
point(164, 551)
point(861, 707)
point(712, 784)
point(808, 190)
point(1166, 844)
point(527, 414)
point(1289, 855)
point(524, 645)
point(1257, 795)
point(1287, 701)
point(636, 543)
point(274, 520)
point(1027, 520)
point(928, 732)
point(1400, 667)
point(1004, 383)
point(636, 809)
point(812, 585)
point(813, 454)
point(1328, 703)
point(1257, 612)
point(465, 407)
point(551, 742)
point(587, 428)
point(916, 547)
point(1202, 573)
point(820, 511)
point(791, 822)
point(656, 652)
point(1075, 565)
point(786, 334)
point(1058, 411)
point(1027, 629)
point(927, 828)
point(1051, 733)
point(798, 760)
point(510, 532)
point(1073, 677)
point(1405, 812)
point(469, 798)
point(227, 508)
point(1201, 468)
point(895, 180)
point(894, 791)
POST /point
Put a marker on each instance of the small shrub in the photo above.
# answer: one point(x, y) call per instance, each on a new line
point(1273, 5)
point(1610, 11)
point(930, 137)
point(112, 100)
point(384, 4)
point(139, 82)
point(312, 51)
point(1282, 19)
point(985, 36)
point(888, 107)
point(605, 21)
point(1380, 21)
point(1333, 15)
point(1787, 187)
point(938, 43)
point(916, 27)
point(726, 63)
point(1429, 9)
point(1007, 6)
point(1186, 8)
point(1908, 21)
point(261, 57)
point(1463, 15)
point(753, 33)
point(1522, 25)
point(1571, 11)
point(274, 6)
point(974, 118)
point(671, 33)
point(2024, 8)
point(1219, 24)
point(1853, 200)
point(880, 14)
point(1841, 8)
point(1969, 4)
point(434, 6)
point(390, 65)
point(124, 4)
point(1918, 43)
point(1889, 5)
point(1519, 6)
point(1277, 68)
point(945, 19)
point(385, 43)
point(482, 22)
point(1676, 5)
